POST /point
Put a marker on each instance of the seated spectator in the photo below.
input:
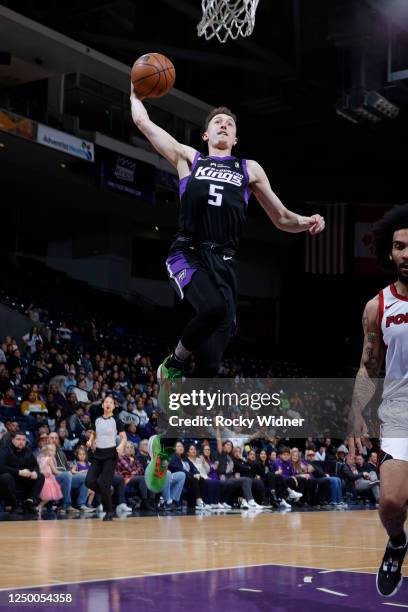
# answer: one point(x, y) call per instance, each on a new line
point(213, 489)
point(11, 428)
point(242, 468)
point(141, 413)
point(235, 485)
point(283, 466)
point(32, 405)
point(273, 483)
point(131, 434)
point(68, 443)
point(336, 492)
point(64, 332)
point(38, 373)
point(133, 474)
point(150, 429)
point(180, 463)
point(68, 481)
point(367, 480)
point(81, 464)
point(13, 359)
point(32, 338)
point(19, 472)
point(41, 441)
point(70, 382)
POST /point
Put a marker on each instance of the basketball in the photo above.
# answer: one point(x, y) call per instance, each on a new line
point(153, 75)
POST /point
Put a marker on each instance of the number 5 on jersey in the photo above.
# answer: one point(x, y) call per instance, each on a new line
point(215, 194)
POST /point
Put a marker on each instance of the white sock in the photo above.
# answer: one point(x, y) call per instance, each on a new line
point(181, 353)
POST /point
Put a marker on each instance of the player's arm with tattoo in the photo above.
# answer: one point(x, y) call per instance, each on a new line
point(366, 380)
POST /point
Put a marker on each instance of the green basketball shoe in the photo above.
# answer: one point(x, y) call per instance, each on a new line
point(168, 377)
point(155, 474)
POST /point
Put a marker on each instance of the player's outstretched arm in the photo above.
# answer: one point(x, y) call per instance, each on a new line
point(366, 380)
point(164, 144)
point(280, 216)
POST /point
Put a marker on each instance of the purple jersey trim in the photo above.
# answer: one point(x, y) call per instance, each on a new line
point(220, 157)
point(183, 182)
point(248, 188)
point(180, 271)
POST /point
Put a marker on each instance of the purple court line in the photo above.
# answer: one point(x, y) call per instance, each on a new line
point(262, 588)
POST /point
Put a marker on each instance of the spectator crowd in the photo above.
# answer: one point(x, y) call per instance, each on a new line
point(52, 377)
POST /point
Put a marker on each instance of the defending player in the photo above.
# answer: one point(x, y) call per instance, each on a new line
point(385, 323)
point(214, 192)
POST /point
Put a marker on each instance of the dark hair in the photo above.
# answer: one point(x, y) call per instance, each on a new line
point(18, 433)
point(393, 220)
point(220, 110)
point(284, 449)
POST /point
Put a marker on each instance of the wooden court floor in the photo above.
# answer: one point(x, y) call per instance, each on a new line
point(47, 552)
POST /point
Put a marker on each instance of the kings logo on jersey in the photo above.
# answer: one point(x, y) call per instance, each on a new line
point(221, 176)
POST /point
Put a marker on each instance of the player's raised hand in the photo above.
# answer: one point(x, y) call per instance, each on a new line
point(316, 224)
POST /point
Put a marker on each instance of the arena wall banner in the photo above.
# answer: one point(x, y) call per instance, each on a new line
point(17, 125)
point(122, 173)
point(364, 257)
point(61, 141)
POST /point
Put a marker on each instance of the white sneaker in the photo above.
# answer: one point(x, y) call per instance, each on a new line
point(244, 505)
point(85, 510)
point(252, 504)
point(99, 508)
point(225, 506)
point(284, 504)
point(294, 494)
point(122, 509)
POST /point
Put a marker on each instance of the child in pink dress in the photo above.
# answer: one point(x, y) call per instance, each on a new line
point(51, 490)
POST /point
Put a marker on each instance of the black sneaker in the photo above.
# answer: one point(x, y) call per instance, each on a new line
point(389, 576)
point(108, 516)
point(29, 507)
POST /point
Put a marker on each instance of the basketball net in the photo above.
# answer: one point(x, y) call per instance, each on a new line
point(227, 19)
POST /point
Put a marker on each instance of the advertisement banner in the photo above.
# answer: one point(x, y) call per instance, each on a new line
point(132, 176)
point(66, 143)
point(17, 125)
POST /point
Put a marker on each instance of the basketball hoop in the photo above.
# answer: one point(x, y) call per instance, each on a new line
point(227, 19)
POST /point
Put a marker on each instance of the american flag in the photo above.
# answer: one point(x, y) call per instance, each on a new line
point(324, 254)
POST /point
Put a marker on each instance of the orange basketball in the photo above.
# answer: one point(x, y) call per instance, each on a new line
point(153, 75)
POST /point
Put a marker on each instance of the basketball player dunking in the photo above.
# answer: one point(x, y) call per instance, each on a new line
point(214, 192)
point(385, 323)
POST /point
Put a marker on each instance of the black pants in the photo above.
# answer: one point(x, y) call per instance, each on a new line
point(10, 486)
point(118, 495)
point(276, 483)
point(238, 486)
point(100, 475)
point(208, 333)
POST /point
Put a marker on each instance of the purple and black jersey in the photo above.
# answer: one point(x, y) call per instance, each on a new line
point(213, 201)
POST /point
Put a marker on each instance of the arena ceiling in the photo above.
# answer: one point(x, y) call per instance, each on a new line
point(283, 81)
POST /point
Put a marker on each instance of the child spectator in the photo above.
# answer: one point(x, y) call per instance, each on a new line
point(51, 490)
point(81, 464)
